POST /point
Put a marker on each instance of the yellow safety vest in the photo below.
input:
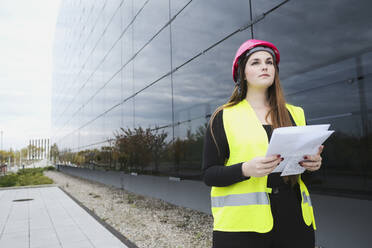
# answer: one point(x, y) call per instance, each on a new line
point(245, 206)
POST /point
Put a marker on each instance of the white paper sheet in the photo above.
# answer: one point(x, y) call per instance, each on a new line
point(292, 143)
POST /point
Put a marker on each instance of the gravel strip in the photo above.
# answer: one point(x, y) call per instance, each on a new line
point(145, 221)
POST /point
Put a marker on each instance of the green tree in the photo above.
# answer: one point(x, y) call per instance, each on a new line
point(139, 148)
point(54, 152)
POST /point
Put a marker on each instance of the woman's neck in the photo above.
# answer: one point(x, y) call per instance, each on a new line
point(257, 98)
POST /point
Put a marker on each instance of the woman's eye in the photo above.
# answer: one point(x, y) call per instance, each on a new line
point(270, 62)
point(254, 63)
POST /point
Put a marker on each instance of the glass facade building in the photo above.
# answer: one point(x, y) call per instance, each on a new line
point(135, 82)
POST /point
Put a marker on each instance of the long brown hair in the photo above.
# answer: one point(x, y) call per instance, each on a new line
point(278, 111)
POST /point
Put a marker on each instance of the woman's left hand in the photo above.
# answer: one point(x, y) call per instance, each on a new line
point(313, 162)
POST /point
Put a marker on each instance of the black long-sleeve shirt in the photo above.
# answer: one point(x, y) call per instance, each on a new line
point(284, 207)
point(215, 173)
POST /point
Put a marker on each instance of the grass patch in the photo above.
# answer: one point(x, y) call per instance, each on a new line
point(24, 177)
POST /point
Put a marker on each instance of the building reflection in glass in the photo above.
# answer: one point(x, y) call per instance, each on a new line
point(135, 82)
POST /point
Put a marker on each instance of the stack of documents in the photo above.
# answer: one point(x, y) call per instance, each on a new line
point(293, 143)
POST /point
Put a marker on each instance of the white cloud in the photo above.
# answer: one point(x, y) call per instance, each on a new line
point(26, 43)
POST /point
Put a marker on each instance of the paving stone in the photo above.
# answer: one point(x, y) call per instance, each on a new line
point(50, 220)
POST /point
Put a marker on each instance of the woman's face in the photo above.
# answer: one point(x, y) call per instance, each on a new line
point(260, 70)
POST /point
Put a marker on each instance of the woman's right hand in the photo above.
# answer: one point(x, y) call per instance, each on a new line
point(261, 166)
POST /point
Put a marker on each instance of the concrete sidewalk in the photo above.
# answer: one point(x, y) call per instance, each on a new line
point(47, 217)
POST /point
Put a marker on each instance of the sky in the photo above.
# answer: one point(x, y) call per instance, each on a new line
point(26, 42)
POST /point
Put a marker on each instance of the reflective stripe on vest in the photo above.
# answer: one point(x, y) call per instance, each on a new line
point(306, 199)
point(256, 198)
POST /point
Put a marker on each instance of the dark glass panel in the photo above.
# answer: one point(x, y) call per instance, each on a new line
point(138, 4)
point(89, 127)
point(126, 33)
point(153, 62)
point(126, 13)
point(203, 23)
point(365, 81)
point(153, 129)
point(112, 95)
point(127, 84)
point(154, 105)
point(177, 5)
point(259, 6)
point(94, 123)
point(128, 114)
point(308, 38)
point(314, 93)
point(110, 62)
point(84, 131)
point(149, 21)
point(120, 149)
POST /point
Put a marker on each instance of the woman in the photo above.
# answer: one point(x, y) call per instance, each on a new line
point(251, 206)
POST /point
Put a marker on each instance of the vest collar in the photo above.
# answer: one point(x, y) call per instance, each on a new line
point(289, 107)
point(249, 107)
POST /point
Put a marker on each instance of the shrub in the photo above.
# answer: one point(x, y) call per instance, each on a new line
point(30, 171)
point(50, 168)
point(33, 176)
point(35, 179)
point(8, 180)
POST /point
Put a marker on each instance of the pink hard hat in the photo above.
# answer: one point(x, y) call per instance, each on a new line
point(249, 44)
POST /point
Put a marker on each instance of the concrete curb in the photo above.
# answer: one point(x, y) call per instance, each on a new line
point(29, 186)
point(112, 230)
